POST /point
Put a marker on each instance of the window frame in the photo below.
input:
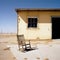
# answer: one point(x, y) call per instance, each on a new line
point(33, 22)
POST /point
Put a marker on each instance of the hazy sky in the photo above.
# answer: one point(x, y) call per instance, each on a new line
point(8, 16)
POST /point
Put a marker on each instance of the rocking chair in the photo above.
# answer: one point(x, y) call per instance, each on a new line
point(22, 43)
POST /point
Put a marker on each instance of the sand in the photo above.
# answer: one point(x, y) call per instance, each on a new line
point(46, 50)
point(5, 53)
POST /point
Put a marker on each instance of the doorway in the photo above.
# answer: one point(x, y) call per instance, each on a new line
point(55, 27)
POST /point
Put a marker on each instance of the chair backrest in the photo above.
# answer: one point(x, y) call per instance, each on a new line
point(21, 39)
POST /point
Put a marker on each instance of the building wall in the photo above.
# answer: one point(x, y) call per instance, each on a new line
point(44, 26)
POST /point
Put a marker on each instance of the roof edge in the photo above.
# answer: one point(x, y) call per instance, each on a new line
point(37, 9)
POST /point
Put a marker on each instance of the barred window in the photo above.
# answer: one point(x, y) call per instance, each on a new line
point(32, 22)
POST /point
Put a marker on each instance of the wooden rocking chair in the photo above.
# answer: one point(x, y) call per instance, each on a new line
point(22, 43)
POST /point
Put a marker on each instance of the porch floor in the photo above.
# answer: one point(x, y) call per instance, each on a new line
point(44, 51)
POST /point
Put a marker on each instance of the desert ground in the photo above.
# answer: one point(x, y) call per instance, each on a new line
point(5, 53)
point(45, 50)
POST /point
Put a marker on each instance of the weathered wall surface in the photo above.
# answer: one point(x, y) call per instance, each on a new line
point(44, 27)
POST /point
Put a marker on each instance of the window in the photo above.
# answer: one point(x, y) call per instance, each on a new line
point(32, 22)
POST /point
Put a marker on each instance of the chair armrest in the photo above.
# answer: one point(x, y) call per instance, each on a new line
point(28, 41)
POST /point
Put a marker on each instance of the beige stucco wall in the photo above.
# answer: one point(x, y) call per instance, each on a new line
point(44, 27)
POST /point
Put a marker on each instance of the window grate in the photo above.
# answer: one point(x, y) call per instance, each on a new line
point(32, 22)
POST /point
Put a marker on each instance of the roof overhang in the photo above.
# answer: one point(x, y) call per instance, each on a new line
point(37, 9)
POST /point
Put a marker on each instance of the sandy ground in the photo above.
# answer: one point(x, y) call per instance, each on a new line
point(5, 53)
point(46, 50)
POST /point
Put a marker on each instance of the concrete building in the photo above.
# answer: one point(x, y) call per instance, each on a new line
point(38, 23)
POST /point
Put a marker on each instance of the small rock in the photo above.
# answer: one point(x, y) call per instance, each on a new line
point(38, 58)
point(25, 58)
point(8, 48)
point(46, 59)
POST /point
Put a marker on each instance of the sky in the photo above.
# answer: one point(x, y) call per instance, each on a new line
point(8, 15)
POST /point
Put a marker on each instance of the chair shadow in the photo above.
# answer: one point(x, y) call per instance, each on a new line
point(27, 50)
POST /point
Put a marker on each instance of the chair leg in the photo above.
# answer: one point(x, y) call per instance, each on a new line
point(19, 47)
point(30, 46)
point(22, 48)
